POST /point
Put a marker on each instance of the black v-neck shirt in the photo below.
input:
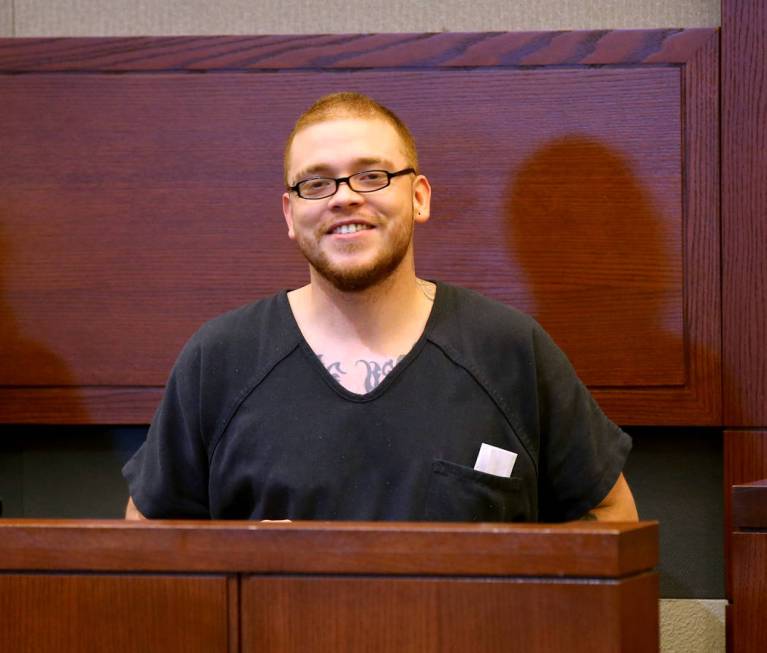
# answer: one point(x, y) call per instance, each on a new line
point(252, 425)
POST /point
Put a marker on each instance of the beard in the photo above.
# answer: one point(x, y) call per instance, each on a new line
point(358, 277)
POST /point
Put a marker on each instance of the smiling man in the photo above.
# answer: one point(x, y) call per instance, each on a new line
point(370, 393)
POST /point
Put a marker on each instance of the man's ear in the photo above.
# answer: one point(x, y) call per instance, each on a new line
point(421, 199)
point(287, 212)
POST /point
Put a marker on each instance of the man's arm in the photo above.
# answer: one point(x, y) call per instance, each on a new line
point(131, 512)
point(618, 505)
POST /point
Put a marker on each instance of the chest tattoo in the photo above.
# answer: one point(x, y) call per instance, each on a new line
point(376, 372)
point(333, 368)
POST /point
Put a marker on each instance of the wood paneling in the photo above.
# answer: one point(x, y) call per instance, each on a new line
point(95, 613)
point(427, 616)
point(575, 549)
point(745, 460)
point(745, 457)
point(749, 505)
point(123, 229)
point(744, 207)
point(350, 51)
point(589, 218)
point(749, 596)
point(326, 587)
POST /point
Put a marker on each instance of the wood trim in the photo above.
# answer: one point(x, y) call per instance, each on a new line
point(744, 207)
point(233, 612)
point(79, 405)
point(698, 402)
point(749, 596)
point(334, 51)
point(745, 461)
point(588, 549)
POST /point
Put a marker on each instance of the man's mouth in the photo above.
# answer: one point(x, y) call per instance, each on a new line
point(350, 228)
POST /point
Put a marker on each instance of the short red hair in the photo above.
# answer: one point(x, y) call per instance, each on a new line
point(347, 104)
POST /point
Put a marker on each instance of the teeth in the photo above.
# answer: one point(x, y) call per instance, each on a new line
point(349, 228)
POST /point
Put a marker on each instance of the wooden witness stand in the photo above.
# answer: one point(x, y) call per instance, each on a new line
point(327, 586)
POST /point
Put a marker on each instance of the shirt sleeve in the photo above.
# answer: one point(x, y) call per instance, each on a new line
point(168, 475)
point(582, 452)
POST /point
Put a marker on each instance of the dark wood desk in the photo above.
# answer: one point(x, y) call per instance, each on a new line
point(319, 586)
point(749, 568)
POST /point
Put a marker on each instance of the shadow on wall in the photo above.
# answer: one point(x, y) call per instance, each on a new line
point(25, 366)
point(596, 254)
point(604, 268)
point(26, 363)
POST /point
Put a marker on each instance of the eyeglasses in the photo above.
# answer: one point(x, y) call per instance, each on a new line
point(368, 181)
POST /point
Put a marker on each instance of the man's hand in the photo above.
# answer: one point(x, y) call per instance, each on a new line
point(131, 512)
point(618, 505)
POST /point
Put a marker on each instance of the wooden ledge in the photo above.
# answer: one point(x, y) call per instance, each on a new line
point(575, 549)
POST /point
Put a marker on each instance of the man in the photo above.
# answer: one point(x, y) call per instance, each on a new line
point(370, 393)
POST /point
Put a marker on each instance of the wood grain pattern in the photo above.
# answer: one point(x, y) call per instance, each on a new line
point(749, 597)
point(744, 207)
point(575, 549)
point(699, 400)
point(78, 404)
point(233, 612)
point(749, 505)
point(602, 237)
point(338, 51)
point(745, 461)
point(326, 587)
point(424, 615)
point(94, 613)
point(78, 285)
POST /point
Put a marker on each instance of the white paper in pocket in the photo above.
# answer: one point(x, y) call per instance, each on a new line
point(495, 461)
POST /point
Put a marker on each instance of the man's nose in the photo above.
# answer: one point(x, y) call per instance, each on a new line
point(345, 195)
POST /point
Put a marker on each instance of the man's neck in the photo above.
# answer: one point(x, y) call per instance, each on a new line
point(361, 336)
point(372, 316)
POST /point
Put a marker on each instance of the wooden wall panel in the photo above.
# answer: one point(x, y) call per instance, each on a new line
point(744, 211)
point(143, 229)
point(135, 206)
point(422, 615)
point(749, 627)
point(94, 613)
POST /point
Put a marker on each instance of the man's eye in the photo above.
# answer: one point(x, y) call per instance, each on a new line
point(316, 184)
point(371, 176)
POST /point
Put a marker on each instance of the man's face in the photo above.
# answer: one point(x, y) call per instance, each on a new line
point(354, 240)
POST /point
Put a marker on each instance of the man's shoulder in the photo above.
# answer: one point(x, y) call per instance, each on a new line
point(242, 320)
point(469, 314)
point(254, 333)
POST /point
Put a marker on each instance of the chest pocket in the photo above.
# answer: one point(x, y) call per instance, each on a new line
point(459, 493)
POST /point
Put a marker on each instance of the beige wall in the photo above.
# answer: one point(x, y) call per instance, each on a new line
point(168, 17)
point(6, 17)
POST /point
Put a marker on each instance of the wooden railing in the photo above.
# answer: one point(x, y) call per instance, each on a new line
point(320, 586)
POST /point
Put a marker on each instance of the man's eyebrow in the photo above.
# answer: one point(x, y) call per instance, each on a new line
point(324, 169)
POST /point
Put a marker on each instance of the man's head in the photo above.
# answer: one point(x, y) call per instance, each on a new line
point(360, 233)
point(347, 104)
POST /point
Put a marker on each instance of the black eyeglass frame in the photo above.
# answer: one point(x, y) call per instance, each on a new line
point(339, 180)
